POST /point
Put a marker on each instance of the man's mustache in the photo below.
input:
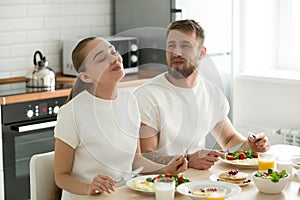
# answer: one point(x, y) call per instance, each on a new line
point(178, 59)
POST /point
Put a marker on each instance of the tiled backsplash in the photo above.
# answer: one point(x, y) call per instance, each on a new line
point(30, 25)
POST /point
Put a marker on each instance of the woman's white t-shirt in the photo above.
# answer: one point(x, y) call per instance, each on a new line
point(181, 116)
point(103, 133)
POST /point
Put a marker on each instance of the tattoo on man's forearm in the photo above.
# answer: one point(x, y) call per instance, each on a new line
point(158, 158)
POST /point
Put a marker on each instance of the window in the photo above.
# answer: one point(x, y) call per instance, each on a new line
point(289, 32)
point(269, 35)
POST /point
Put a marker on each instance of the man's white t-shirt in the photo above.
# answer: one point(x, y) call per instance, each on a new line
point(103, 133)
point(181, 116)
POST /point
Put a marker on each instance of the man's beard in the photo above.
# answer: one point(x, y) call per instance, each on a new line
point(181, 73)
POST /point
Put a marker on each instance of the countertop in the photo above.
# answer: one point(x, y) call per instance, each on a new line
point(130, 80)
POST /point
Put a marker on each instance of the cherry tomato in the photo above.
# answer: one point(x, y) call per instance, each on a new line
point(230, 157)
point(168, 175)
point(180, 180)
point(242, 156)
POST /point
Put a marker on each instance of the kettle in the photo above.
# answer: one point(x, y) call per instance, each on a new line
point(40, 77)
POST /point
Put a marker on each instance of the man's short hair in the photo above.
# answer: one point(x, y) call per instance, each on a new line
point(188, 25)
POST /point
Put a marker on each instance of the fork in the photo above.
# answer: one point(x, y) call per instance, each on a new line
point(251, 134)
point(186, 154)
point(128, 176)
point(120, 179)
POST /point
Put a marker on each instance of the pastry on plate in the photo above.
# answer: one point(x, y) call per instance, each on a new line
point(233, 176)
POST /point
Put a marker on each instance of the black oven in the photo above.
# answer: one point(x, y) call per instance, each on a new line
point(27, 129)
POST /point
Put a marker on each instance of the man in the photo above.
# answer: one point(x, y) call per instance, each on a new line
point(179, 108)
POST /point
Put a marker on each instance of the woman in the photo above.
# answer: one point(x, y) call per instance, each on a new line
point(97, 129)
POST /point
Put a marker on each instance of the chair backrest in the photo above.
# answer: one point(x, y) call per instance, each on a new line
point(42, 184)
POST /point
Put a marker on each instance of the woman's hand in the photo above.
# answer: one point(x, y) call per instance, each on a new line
point(101, 184)
point(258, 143)
point(178, 164)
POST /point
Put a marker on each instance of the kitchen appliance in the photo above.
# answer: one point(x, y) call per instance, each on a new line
point(27, 129)
point(40, 77)
point(126, 46)
point(154, 17)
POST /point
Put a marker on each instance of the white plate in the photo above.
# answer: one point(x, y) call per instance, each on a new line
point(184, 188)
point(215, 177)
point(247, 163)
point(132, 183)
point(135, 184)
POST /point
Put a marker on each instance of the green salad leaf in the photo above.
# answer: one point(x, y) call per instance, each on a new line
point(272, 175)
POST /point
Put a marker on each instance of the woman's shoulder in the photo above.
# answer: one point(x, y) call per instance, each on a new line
point(66, 109)
point(68, 106)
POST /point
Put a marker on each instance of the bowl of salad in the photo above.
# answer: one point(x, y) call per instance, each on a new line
point(270, 181)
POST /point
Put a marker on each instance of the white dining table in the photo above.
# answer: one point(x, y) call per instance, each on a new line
point(249, 191)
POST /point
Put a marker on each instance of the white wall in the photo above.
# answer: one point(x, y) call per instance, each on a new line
point(29, 25)
point(265, 103)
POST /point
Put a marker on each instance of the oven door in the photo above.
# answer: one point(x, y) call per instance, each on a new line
point(20, 142)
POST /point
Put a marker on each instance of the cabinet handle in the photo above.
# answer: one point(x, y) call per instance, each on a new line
point(38, 126)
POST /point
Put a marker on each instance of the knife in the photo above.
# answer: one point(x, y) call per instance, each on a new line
point(121, 181)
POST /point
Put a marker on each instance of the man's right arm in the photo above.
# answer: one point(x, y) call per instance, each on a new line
point(149, 139)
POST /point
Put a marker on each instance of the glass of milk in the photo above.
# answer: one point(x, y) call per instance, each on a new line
point(164, 189)
point(285, 163)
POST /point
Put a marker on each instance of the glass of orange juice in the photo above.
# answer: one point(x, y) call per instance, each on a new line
point(265, 161)
point(215, 194)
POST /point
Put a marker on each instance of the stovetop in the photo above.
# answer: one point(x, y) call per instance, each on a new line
point(20, 88)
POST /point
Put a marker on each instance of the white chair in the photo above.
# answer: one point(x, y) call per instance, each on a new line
point(42, 184)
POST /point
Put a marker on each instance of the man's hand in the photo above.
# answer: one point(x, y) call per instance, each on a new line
point(258, 143)
point(176, 165)
point(204, 158)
